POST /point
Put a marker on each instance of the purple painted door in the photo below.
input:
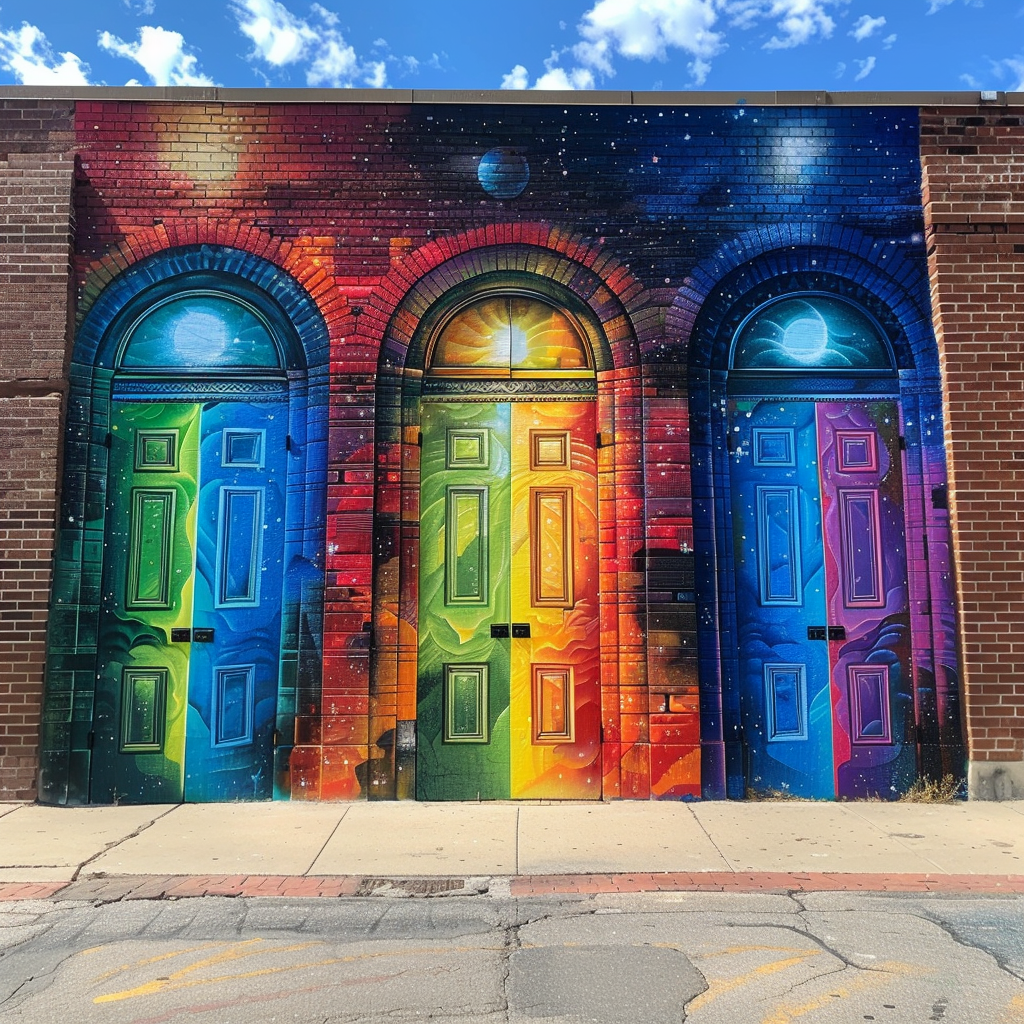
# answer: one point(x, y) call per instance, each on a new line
point(861, 469)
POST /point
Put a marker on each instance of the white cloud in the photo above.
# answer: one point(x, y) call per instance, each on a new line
point(866, 26)
point(647, 29)
point(1011, 68)
point(28, 56)
point(840, 69)
point(517, 78)
point(140, 7)
point(161, 54)
point(889, 40)
point(799, 21)
point(655, 29)
point(866, 67)
point(937, 5)
point(281, 38)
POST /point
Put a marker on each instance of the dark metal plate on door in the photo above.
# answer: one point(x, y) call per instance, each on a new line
point(181, 636)
point(202, 636)
point(499, 631)
point(817, 633)
point(837, 632)
point(520, 630)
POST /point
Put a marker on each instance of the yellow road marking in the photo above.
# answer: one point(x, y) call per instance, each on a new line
point(719, 986)
point(733, 950)
point(178, 981)
point(880, 975)
point(153, 959)
point(1015, 1011)
point(236, 951)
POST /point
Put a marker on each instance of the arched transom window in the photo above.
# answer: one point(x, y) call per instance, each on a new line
point(810, 332)
point(200, 330)
point(510, 336)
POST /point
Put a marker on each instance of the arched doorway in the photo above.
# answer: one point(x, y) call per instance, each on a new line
point(197, 395)
point(822, 657)
point(508, 677)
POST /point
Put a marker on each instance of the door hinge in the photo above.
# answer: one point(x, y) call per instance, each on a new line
point(90, 740)
point(108, 440)
point(940, 497)
point(903, 443)
point(288, 443)
point(924, 545)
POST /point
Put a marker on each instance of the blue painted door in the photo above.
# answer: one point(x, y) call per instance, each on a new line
point(783, 672)
point(235, 660)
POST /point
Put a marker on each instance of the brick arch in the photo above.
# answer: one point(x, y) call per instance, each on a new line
point(388, 326)
point(891, 281)
point(891, 273)
point(421, 277)
point(307, 262)
point(84, 498)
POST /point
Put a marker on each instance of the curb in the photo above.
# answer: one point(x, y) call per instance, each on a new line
point(114, 888)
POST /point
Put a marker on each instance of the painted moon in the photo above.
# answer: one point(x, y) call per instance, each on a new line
point(503, 173)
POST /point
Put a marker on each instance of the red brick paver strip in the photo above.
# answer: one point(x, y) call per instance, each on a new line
point(29, 890)
point(154, 887)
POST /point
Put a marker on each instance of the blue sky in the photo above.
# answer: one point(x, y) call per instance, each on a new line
point(560, 44)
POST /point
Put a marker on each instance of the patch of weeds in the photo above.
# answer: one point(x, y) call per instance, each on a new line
point(947, 790)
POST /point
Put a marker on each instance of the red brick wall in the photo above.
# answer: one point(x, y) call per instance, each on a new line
point(973, 164)
point(36, 169)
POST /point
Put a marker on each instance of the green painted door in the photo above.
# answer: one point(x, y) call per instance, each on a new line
point(142, 686)
point(463, 689)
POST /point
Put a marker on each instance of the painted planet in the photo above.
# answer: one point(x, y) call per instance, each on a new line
point(503, 172)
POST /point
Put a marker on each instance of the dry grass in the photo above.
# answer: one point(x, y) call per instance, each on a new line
point(947, 790)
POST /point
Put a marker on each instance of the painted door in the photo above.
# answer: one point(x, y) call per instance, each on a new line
point(556, 698)
point(189, 644)
point(462, 750)
point(234, 666)
point(508, 626)
point(821, 597)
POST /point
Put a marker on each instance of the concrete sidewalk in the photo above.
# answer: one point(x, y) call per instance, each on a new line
point(408, 840)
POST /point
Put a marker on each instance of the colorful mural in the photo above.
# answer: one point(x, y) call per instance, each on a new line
point(454, 453)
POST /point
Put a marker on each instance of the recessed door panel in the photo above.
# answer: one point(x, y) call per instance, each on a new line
point(463, 682)
point(555, 699)
point(139, 719)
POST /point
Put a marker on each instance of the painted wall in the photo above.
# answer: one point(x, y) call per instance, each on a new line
point(737, 580)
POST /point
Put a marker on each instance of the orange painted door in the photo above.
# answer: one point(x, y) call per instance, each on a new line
point(555, 703)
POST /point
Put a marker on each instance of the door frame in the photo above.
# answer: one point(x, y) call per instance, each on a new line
point(607, 325)
point(302, 334)
point(915, 385)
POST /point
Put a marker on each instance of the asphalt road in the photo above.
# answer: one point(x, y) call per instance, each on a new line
point(642, 959)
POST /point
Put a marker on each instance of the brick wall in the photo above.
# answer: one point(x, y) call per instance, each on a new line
point(36, 166)
point(973, 165)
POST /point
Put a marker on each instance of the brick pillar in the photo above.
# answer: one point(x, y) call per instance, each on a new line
point(36, 171)
point(973, 175)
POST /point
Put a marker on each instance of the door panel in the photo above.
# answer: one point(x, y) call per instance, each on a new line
point(236, 650)
point(139, 719)
point(866, 569)
point(780, 592)
point(463, 687)
point(555, 696)
point(822, 602)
